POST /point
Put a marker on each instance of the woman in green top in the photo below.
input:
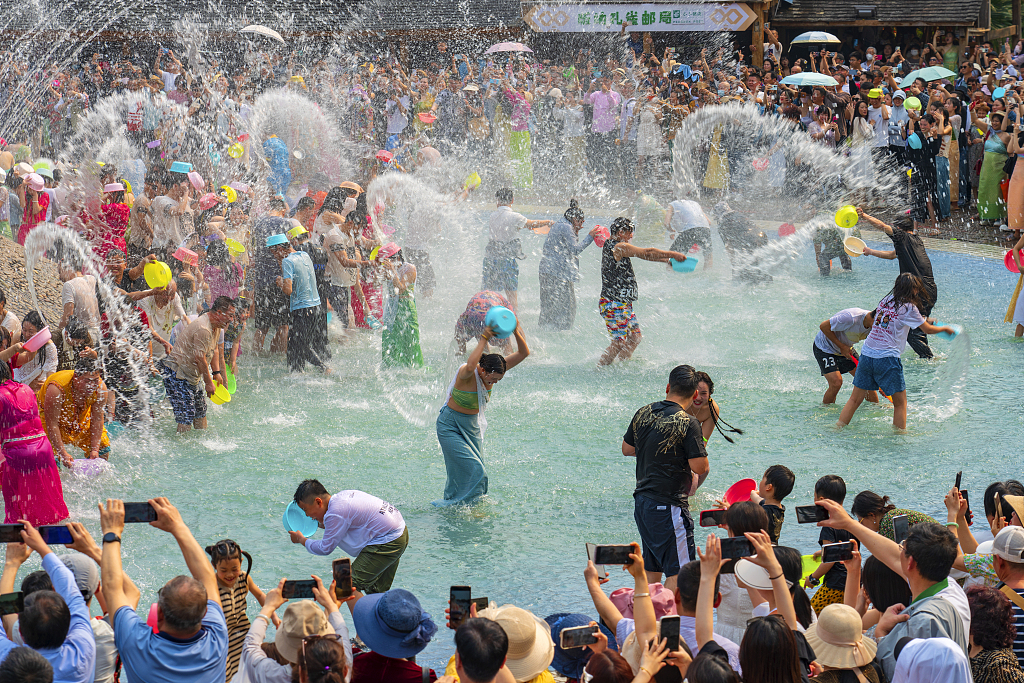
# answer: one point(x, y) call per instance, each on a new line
point(876, 513)
point(400, 340)
point(461, 424)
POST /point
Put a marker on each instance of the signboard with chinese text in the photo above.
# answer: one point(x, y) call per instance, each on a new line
point(590, 17)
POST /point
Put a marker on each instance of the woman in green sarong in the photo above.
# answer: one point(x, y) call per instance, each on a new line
point(400, 340)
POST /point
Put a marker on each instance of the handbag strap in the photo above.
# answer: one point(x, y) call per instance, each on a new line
point(425, 672)
point(1013, 595)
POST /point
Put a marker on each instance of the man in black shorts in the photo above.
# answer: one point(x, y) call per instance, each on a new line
point(272, 308)
point(670, 459)
point(833, 348)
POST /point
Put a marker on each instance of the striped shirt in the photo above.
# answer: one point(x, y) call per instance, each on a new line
point(1018, 640)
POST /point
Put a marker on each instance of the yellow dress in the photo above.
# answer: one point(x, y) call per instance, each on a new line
point(74, 430)
point(544, 677)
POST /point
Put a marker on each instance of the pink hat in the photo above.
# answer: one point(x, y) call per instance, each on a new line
point(664, 601)
point(388, 250)
point(208, 201)
point(35, 182)
point(113, 187)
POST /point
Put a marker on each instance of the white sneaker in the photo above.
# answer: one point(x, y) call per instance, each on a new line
point(1005, 228)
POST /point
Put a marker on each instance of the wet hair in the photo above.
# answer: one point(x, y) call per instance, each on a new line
point(933, 548)
point(687, 583)
point(870, 503)
point(715, 417)
point(504, 195)
point(334, 201)
point(1010, 487)
point(25, 665)
point(884, 587)
point(904, 223)
point(305, 202)
point(574, 212)
point(683, 380)
point(708, 668)
point(744, 517)
point(276, 204)
point(182, 601)
point(360, 216)
point(768, 652)
point(85, 366)
point(909, 289)
point(609, 667)
point(79, 332)
point(222, 303)
point(993, 623)
point(217, 255)
point(493, 362)
point(792, 569)
point(308, 490)
point(227, 549)
point(832, 487)
point(620, 225)
point(482, 646)
point(323, 661)
point(186, 285)
point(782, 479)
point(34, 319)
point(45, 621)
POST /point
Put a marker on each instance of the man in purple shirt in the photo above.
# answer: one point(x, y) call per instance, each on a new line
point(606, 111)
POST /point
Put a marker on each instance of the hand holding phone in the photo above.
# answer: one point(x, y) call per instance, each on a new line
point(714, 517)
point(613, 554)
point(579, 636)
point(12, 603)
point(901, 528)
point(137, 513)
point(293, 590)
point(668, 629)
point(342, 570)
point(459, 602)
point(737, 547)
point(810, 514)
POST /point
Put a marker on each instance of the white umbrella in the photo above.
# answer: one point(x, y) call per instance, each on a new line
point(814, 37)
point(809, 78)
point(263, 31)
point(507, 47)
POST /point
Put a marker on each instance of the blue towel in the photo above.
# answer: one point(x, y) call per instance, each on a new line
point(462, 445)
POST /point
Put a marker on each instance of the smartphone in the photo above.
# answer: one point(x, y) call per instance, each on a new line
point(733, 548)
point(11, 533)
point(901, 528)
point(712, 517)
point(613, 554)
point(460, 597)
point(959, 475)
point(298, 589)
point(601, 571)
point(837, 552)
point(343, 578)
point(55, 534)
point(970, 515)
point(810, 514)
point(481, 603)
point(12, 603)
point(139, 512)
point(578, 636)
point(668, 629)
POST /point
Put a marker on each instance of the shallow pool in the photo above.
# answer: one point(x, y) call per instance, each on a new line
point(557, 477)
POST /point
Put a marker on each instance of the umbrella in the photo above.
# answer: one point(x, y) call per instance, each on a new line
point(814, 37)
point(929, 74)
point(263, 31)
point(507, 47)
point(809, 78)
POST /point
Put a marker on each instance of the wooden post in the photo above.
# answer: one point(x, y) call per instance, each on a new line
point(757, 34)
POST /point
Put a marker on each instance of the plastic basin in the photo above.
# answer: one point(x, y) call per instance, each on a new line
point(602, 235)
point(157, 274)
point(180, 167)
point(1010, 264)
point(740, 491)
point(687, 266)
point(946, 335)
point(221, 395)
point(810, 563)
point(196, 180)
point(502, 321)
point(294, 519)
point(846, 217)
point(854, 246)
point(37, 340)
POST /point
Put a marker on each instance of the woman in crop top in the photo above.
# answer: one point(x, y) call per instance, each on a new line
point(461, 424)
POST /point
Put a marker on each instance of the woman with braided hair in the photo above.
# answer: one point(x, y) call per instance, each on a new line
point(705, 409)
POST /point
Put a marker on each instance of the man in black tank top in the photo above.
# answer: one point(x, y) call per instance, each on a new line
point(619, 290)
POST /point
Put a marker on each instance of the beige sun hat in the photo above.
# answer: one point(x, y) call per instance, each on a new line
point(300, 619)
point(838, 640)
point(530, 647)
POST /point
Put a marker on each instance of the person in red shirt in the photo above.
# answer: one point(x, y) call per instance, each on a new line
point(115, 220)
point(35, 203)
point(395, 629)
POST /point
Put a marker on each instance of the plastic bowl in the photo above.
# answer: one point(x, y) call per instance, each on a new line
point(787, 229)
point(687, 266)
point(235, 150)
point(234, 246)
point(426, 117)
point(543, 230)
point(294, 519)
point(232, 382)
point(180, 167)
point(473, 181)
point(946, 335)
point(385, 156)
point(603, 234)
point(37, 340)
point(854, 246)
point(810, 563)
point(846, 217)
point(1010, 264)
point(114, 429)
point(221, 395)
point(157, 274)
point(228, 193)
point(90, 467)
point(740, 491)
point(196, 180)
point(502, 321)
point(760, 164)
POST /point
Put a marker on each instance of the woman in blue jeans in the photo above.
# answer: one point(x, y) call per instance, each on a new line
point(942, 189)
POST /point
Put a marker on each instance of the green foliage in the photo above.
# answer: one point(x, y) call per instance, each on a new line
point(1002, 13)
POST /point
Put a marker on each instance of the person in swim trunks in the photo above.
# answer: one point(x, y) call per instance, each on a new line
point(833, 348)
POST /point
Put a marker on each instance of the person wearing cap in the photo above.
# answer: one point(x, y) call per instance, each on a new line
point(898, 118)
point(301, 620)
point(269, 302)
point(301, 241)
point(307, 328)
point(939, 608)
point(54, 623)
point(35, 203)
point(395, 629)
point(186, 370)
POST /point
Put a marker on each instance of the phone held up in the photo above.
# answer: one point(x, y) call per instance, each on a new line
point(293, 590)
point(12, 603)
point(901, 528)
point(668, 629)
point(579, 636)
point(810, 514)
point(342, 570)
point(613, 554)
point(836, 552)
point(712, 517)
point(734, 548)
point(137, 513)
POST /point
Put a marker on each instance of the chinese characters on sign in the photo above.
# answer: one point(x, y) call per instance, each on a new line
point(591, 17)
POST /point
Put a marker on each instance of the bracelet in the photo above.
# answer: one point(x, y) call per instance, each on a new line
point(772, 578)
point(953, 524)
point(265, 617)
point(641, 595)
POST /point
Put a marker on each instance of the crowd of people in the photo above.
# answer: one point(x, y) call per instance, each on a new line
point(176, 249)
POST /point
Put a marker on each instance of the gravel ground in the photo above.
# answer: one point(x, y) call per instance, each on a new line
point(15, 286)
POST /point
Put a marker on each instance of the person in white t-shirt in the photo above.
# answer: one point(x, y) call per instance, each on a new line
point(689, 226)
point(9, 320)
point(833, 348)
point(879, 366)
point(501, 267)
point(167, 211)
point(369, 529)
point(163, 310)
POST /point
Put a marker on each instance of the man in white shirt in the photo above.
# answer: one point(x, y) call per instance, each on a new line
point(501, 267)
point(342, 266)
point(878, 116)
point(163, 310)
point(167, 211)
point(369, 529)
point(78, 297)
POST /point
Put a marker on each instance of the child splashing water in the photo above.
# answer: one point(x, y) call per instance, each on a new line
point(880, 366)
point(226, 558)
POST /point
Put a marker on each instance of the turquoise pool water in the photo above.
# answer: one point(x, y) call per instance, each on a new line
point(557, 477)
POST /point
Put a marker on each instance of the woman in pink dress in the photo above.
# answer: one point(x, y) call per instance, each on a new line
point(35, 202)
point(115, 220)
point(31, 483)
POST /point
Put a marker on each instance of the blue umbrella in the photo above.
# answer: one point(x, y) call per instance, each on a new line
point(814, 38)
point(809, 78)
point(929, 74)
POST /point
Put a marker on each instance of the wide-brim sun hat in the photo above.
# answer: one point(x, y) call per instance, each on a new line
point(754, 575)
point(837, 638)
point(113, 187)
point(296, 231)
point(45, 172)
point(530, 647)
point(300, 619)
point(349, 185)
point(393, 624)
point(570, 663)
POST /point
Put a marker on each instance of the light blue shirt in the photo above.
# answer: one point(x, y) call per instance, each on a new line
point(561, 257)
point(898, 115)
point(298, 268)
point(75, 660)
point(158, 658)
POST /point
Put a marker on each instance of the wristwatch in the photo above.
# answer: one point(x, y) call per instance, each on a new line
point(111, 537)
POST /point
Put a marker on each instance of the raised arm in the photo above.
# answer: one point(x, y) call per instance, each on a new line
point(710, 565)
point(766, 558)
point(626, 250)
point(169, 519)
point(881, 547)
point(606, 609)
point(522, 350)
point(643, 607)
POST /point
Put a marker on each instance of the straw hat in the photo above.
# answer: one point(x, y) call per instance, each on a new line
point(837, 638)
point(300, 619)
point(349, 185)
point(530, 647)
point(754, 575)
point(1017, 503)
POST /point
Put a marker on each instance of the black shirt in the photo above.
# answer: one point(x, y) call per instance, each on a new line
point(776, 516)
point(618, 283)
point(666, 438)
point(913, 258)
point(835, 578)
